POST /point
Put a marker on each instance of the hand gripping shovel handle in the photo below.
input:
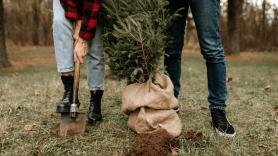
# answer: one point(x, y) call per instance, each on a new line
point(74, 107)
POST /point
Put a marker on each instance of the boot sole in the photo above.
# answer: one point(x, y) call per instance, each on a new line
point(222, 134)
point(95, 122)
point(225, 134)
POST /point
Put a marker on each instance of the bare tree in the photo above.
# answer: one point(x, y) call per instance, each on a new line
point(274, 28)
point(3, 50)
point(263, 21)
point(46, 23)
point(234, 17)
point(36, 21)
point(29, 22)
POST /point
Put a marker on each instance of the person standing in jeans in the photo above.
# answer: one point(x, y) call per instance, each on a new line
point(206, 17)
point(77, 30)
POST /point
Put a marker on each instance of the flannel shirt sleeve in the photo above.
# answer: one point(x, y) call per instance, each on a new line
point(90, 14)
point(71, 9)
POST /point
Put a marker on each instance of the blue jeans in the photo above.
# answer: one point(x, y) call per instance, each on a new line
point(206, 17)
point(63, 45)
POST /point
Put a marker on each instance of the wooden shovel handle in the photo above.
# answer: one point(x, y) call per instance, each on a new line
point(76, 81)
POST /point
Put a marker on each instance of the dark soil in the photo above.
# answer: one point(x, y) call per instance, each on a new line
point(159, 143)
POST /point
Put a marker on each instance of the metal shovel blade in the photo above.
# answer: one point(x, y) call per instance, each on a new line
point(72, 126)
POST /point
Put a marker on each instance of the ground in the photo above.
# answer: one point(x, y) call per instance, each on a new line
point(30, 89)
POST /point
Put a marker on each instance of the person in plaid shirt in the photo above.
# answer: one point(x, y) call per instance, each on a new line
point(77, 30)
point(84, 13)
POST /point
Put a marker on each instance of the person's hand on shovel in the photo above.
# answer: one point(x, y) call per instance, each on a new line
point(80, 45)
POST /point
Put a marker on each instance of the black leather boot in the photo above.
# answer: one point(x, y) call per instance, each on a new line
point(94, 115)
point(65, 103)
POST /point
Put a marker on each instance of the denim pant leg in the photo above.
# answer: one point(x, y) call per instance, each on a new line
point(206, 16)
point(63, 41)
point(172, 59)
point(95, 61)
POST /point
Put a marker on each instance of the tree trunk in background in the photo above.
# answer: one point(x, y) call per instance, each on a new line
point(3, 50)
point(263, 22)
point(45, 29)
point(274, 28)
point(36, 21)
point(234, 16)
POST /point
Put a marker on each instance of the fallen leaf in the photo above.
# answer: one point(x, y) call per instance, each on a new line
point(28, 127)
point(263, 146)
point(10, 110)
point(267, 87)
point(229, 79)
point(37, 93)
point(274, 116)
point(174, 151)
point(2, 128)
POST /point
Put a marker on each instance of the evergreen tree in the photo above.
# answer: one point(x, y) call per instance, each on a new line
point(135, 37)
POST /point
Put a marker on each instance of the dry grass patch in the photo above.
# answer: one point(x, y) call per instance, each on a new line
point(29, 97)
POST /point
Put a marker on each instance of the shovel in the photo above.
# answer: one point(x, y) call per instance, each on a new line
point(73, 123)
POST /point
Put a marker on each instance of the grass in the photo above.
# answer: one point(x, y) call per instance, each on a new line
point(28, 96)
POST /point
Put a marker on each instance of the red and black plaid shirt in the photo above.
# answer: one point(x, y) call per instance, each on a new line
point(85, 10)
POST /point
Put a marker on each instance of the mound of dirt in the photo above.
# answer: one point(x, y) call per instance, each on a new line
point(151, 144)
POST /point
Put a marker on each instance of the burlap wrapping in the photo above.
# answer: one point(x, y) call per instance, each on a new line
point(150, 106)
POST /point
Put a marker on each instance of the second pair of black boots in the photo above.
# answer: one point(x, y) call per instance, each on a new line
point(94, 114)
